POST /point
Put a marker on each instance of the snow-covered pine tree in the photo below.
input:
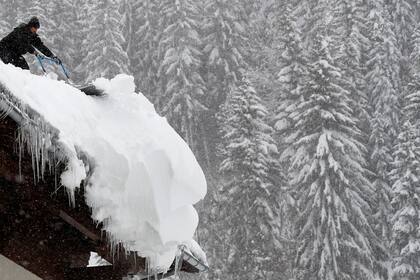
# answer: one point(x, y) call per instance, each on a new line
point(223, 62)
point(406, 204)
point(290, 71)
point(80, 33)
point(7, 16)
point(64, 39)
point(328, 174)
point(224, 47)
point(105, 54)
point(249, 210)
point(292, 64)
point(353, 44)
point(212, 228)
point(181, 93)
point(21, 10)
point(383, 76)
point(383, 80)
point(380, 158)
point(265, 32)
point(127, 12)
point(415, 49)
point(258, 19)
point(145, 47)
point(403, 15)
point(251, 8)
point(413, 87)
point(308, 17)
point(405, 177)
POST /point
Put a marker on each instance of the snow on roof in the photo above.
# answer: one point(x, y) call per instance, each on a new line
point(142, 178)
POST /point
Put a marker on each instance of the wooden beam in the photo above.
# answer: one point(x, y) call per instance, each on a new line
point(78, 226)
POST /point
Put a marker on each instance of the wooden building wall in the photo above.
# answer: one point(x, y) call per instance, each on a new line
point(39, 230)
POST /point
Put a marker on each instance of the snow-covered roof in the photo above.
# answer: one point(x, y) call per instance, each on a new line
point(141, 178)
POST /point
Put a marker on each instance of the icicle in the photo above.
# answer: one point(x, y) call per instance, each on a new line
point(21, 149)
point(178, 259)
point(35, 134)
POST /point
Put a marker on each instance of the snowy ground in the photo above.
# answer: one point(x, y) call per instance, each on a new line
point(142, 177)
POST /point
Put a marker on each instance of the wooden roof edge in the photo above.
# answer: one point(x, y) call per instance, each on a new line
point(22, 114)
point(11, 111)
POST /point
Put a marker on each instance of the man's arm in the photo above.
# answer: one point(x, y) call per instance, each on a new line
point(32, 50)
point(37, 43)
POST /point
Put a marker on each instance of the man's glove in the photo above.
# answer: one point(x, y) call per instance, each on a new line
point(56, 59)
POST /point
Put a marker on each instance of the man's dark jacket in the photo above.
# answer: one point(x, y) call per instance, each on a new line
point(19, 42)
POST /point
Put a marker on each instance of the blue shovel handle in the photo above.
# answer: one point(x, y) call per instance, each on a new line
point(40, 62)
point(41, 58)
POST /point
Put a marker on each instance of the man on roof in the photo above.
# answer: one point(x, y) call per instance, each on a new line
point(23, 39)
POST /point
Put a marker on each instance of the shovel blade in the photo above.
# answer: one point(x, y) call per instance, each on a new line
point(91, 90)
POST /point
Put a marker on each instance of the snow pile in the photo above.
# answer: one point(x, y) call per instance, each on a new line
point(96, 260)
point(142, 178)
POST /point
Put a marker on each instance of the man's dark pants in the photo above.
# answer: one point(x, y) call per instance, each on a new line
point(9, 57)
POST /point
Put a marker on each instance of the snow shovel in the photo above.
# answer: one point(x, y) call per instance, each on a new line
point(88, 90)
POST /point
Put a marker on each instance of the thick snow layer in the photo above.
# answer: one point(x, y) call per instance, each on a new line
point(142, 177)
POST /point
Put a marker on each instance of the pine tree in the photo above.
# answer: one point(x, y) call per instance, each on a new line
point(292, 67)
point(145, 47)
point(21, 10)
point(7, 16)
point(404, 175)
point(406, 204)
point(223, 62)
point(403, 16)
point(224, 47)
point(384, 97)
point(328, 173)
point(80, 34)
point(351, 16)
point(105, 54)
point(413, 87)
point(181, 87)
point(259, 18)
point(311, 14)
point(128, 15)
point(250, 210)
point(64, 37)
point(383, 75)
point(290, 63)
point(380, 159)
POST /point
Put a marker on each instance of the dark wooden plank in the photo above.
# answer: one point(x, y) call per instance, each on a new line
point(78, 226)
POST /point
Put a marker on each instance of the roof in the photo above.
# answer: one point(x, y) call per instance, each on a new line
point(75, 222)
